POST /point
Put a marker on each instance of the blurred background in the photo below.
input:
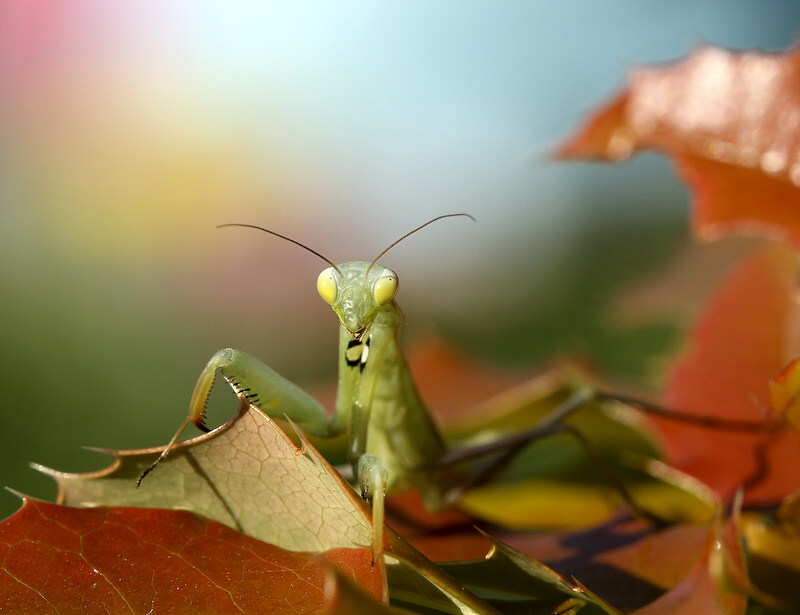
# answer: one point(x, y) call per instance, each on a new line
point(129, 130)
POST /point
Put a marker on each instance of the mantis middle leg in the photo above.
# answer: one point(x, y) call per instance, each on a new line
point(551, 425)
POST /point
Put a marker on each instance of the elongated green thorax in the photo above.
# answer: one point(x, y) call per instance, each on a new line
point(391, 432)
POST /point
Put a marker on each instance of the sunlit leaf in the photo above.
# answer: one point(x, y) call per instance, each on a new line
point(58, 559)
point(731, 122)
point(246, 474)
point(628, 562)
point(414, 581)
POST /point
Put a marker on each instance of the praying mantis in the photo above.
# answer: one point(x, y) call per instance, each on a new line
point(392, 436)
point(393, 439)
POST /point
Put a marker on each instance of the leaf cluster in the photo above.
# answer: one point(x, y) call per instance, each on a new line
point(246, 519)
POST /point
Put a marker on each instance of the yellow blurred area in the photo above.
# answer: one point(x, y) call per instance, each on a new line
point(126, 168)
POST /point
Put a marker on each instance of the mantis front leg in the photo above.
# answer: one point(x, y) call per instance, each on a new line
point(279, 398)
point(262, 386)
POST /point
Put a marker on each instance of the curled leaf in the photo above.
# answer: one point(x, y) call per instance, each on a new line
point(246, 474)
point(731, 122)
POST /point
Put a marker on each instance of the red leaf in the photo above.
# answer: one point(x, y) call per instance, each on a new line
point(731, 120)
point(737, 346)
point(715, 585)
point(58, 559)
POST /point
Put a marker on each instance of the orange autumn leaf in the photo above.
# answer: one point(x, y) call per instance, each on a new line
point(59, 559)
point(731, 122)
point(716, 584)
point(740, 342)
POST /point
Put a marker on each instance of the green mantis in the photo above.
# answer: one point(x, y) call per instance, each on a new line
point(392, 437)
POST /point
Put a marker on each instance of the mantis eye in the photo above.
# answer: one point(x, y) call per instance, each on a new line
point(385, 287)
point(326, 286)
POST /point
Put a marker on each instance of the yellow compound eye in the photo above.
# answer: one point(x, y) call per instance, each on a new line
point(326, 285)
point(385, 287)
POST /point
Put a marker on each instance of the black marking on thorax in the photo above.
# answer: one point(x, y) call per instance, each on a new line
point(357, 353)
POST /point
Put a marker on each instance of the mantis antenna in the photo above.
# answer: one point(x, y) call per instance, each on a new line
point(411, 233)
point(305, 247)
point(297, 243)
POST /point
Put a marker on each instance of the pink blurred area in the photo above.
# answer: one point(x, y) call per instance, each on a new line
point(116, 143)
point(124, 158)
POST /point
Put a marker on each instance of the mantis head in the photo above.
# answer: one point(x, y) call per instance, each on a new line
point(358, 290)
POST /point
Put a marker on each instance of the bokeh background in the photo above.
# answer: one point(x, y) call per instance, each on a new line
point(129, 130)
